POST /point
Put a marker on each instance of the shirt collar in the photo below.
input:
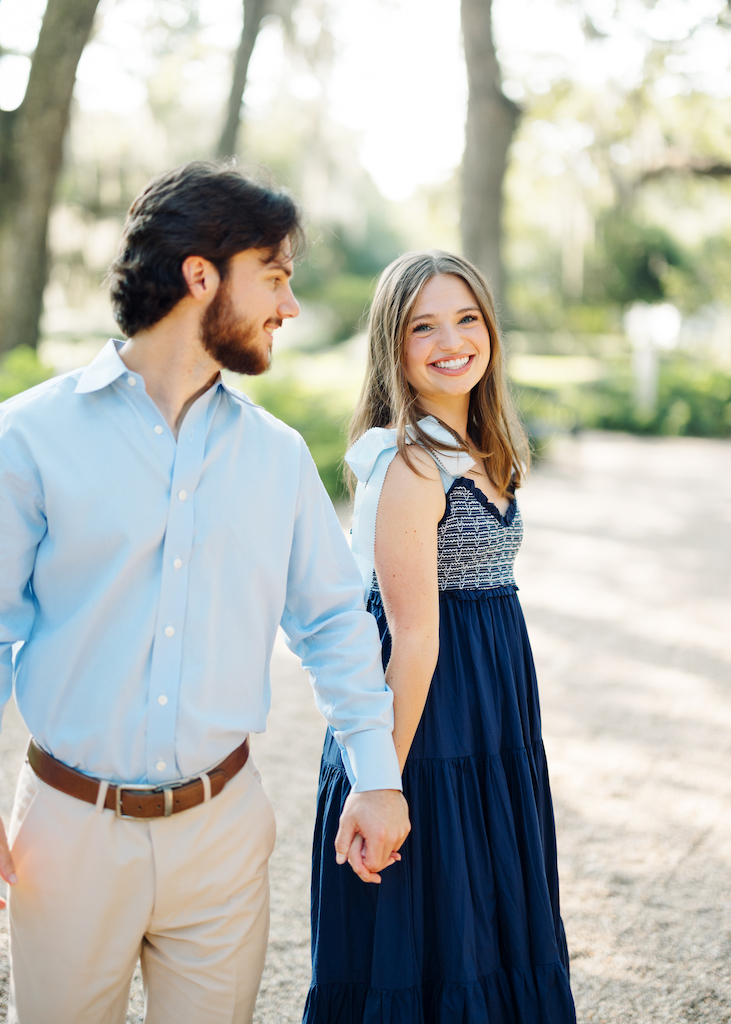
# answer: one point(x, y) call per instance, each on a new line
point(102, 370)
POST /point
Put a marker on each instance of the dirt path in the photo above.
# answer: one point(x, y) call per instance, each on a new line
point(626, 584)
point(625, 580)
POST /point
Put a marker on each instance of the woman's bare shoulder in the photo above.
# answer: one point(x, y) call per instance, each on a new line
point(416, 484)
point(419, 464)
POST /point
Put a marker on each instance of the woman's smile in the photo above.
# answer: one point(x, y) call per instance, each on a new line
point(454, 365)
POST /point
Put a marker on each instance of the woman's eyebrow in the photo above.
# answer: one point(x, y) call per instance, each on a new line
point(432, 316)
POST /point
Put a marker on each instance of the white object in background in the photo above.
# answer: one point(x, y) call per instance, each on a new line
point(649, 328)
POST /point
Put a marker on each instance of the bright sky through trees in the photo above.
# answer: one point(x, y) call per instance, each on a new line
point(397, 78)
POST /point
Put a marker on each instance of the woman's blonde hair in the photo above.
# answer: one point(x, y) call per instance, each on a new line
point(387, 398)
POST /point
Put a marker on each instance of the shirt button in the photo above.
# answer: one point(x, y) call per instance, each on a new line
point(182, 495)
point(131, 381)
point(162, 699)
point(170, 631)
point(158, 429)
point(161, 766)
point(178, 563)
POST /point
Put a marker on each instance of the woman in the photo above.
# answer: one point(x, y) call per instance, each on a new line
point(465, 928)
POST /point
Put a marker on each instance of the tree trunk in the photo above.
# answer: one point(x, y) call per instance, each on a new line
point(491, 122)
point(254, 11)
point(30, 160)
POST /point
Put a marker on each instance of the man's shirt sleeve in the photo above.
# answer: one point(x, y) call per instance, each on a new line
point(22, 526)
point(328, 628)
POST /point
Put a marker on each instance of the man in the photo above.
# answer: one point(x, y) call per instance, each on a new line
point(155, 529)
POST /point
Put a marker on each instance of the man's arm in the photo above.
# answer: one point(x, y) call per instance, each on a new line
point(22, 525)
point(328, 628)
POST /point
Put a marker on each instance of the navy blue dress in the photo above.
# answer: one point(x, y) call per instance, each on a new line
point(465, 929)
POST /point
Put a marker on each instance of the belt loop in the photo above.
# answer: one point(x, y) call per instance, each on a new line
point(206, 780)
point(101, 796)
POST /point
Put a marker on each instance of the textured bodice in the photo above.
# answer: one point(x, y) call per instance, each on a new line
point(476, 544)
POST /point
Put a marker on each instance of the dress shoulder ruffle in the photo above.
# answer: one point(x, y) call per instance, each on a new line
point(364, 454)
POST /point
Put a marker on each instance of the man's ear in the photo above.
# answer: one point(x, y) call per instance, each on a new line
point(201, 277)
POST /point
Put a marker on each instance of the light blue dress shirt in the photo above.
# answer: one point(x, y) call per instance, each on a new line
point(147, 579)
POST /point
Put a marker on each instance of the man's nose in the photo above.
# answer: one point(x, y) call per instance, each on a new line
point(289, 306)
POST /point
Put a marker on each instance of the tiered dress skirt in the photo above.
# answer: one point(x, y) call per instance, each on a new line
point(465, 929)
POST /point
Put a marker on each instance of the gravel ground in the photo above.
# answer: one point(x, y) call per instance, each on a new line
point(625, 580)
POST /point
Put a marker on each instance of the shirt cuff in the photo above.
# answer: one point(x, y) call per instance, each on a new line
point(371, 762)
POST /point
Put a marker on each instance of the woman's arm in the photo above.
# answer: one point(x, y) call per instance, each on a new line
point(406, 565)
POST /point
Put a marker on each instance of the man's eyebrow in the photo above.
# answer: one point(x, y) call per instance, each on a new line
point(277, 264)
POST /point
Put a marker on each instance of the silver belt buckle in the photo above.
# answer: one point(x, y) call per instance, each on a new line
point(147, 788)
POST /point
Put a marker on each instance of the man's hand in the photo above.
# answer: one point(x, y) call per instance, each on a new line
point(7, 868)
point(373, 826)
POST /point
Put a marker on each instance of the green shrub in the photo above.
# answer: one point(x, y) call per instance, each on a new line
point(317, 416)
point(694, 400)
point(633, 261)
point(347, 297)
point(20, 369)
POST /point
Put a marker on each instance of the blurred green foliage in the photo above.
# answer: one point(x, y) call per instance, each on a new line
point(631, 262)
point(345, 299)
point(694, 400)
point(21, 369)
point(340, 270)
point(317, 415)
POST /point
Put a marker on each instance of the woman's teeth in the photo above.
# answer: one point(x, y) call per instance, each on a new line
point(452, 364)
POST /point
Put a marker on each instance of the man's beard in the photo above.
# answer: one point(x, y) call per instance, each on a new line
point(230, 339)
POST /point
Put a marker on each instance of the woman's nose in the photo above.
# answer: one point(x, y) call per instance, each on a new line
point(449, 338)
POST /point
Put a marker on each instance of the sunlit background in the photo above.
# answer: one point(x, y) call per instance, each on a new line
point(617, 197)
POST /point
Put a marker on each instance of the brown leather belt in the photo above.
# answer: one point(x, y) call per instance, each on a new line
point(133, 801)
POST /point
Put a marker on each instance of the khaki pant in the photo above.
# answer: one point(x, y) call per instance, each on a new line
point(188, 895)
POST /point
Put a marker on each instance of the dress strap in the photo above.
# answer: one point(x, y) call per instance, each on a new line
point(369, 458)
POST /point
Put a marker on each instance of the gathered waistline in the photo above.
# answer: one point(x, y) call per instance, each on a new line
point(462, 593)
point(477, 593)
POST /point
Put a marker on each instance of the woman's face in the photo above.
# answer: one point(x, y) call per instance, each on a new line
point(447, 344)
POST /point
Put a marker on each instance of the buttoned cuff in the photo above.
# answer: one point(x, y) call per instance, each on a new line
point(371, 762)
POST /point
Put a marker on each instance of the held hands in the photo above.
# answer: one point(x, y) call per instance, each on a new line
point(373, 826)
point(7, 868)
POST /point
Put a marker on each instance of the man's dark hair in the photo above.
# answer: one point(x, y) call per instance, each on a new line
point(199, 209)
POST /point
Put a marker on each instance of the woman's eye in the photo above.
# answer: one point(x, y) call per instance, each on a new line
point(422, 328)
point(470, 318)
